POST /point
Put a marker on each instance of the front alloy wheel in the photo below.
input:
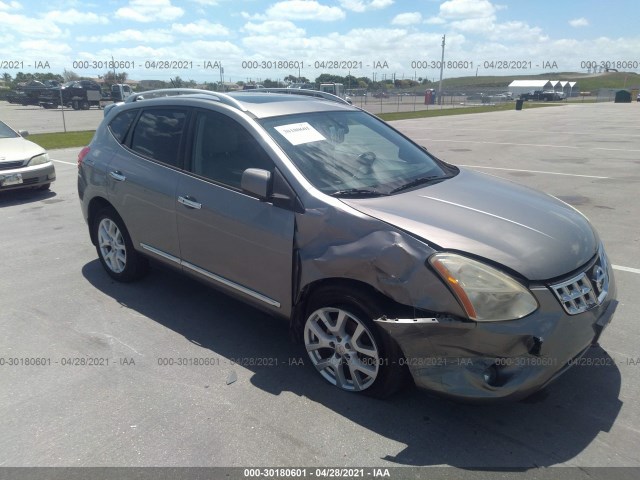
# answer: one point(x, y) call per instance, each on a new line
point(342, 348)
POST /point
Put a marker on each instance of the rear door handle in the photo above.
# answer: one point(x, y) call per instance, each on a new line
point(117, 175)
point(189, 203)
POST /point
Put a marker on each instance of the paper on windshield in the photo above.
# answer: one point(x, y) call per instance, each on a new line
point(299, 133)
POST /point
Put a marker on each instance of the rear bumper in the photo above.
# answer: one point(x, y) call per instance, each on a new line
point(475, 361)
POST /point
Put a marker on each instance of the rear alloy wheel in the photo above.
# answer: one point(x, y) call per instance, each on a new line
point(346, 348)
point(115, 249)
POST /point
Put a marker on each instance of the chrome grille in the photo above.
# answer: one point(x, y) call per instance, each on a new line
point(11, 165)
point(586, 290)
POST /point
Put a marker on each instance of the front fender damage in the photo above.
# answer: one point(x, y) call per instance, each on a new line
point(357, 247)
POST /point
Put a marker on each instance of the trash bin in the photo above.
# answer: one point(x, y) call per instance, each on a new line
point(622, 96)
point(519, 103)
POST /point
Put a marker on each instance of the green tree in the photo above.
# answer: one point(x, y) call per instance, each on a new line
point(111, 78)
point(68, 75)
point(328, 78)
point(22, 78)
point(295, 79)
point(268, 83)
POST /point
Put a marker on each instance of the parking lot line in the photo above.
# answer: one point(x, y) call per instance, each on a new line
point(531, 132)
point(543, 145)
point(626, 269)
point(62, 161)
point(535, 171)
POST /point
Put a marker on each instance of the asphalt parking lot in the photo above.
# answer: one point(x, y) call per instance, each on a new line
point(254, 403)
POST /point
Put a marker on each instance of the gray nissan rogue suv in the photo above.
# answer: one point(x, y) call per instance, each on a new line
point(385, 260)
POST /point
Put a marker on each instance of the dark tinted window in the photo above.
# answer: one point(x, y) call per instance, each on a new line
point(223, 149)
point(119, 126)
point(158, 133)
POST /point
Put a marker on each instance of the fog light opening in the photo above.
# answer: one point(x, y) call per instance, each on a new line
point(490, 376)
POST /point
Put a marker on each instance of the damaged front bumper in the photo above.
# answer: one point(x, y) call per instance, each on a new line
point(482, 361)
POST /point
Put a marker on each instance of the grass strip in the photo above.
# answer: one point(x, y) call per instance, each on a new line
point(437, 112)
point(50, 141)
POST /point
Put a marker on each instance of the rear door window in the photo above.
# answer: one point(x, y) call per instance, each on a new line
point(158, 134)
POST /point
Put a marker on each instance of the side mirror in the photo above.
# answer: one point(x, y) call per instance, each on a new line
point(256, 182)
point(23, 133)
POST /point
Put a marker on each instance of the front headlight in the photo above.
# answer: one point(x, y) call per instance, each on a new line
point(486, 294)
point(39, 160)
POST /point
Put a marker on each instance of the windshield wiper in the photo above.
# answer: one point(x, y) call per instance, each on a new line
point(357, 192)
point(419, 181)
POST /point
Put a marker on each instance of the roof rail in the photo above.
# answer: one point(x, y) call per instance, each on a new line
point(300, 91)
point(170, 92)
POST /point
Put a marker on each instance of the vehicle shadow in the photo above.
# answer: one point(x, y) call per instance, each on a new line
point(10, 198)
point(549, 428)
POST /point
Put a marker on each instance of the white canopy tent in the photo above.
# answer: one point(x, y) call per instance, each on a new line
point(518, 87)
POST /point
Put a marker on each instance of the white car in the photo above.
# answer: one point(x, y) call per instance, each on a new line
point(23, 164)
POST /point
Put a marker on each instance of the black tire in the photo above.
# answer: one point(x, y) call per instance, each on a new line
point(84, 105)
point(75, 105)
point(391, 375)
point(129, 267)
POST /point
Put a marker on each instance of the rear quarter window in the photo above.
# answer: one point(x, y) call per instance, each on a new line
point(120, 125)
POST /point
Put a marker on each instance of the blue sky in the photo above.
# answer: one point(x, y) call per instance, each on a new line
point(252, 38)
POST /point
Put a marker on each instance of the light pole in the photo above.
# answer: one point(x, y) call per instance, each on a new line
point(441, 69)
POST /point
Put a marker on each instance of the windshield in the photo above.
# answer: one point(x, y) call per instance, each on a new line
point(6, 132)
point(353, 154)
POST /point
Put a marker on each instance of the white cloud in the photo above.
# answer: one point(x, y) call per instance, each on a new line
point(579, 22)
point(44, 46)
point(364, 5)
point(10, 6)
point(435, 21)
point(206, 3)
point(463, 9)
point(478, 17)
point(29, 27)
point(362, 45)
point(73, 17)
point(407, 18)
point(274, 27)
point(304, 10)
point(130, 35)
point(200, 28)
point(517, 32)
point(474, 25)
point(146, 11)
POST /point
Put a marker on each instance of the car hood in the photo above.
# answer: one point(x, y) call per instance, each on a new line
point(12, 149)
point(530, 232)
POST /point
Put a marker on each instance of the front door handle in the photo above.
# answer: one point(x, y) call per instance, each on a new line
point(189, 203)
point(117, 175)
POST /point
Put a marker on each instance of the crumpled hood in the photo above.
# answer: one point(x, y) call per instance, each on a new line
point(530, 232)
point(12, 149)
